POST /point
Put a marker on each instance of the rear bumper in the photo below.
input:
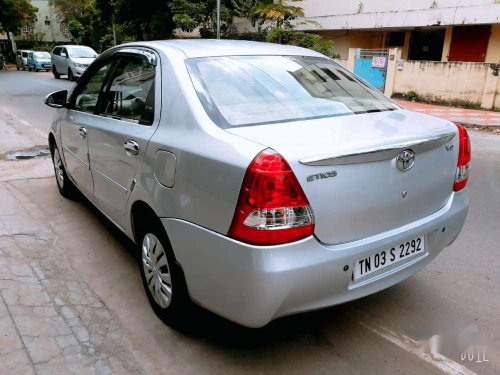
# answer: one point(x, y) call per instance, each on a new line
point(252, 285)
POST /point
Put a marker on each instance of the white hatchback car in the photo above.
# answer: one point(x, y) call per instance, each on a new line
point(258, 180)
point(71, 60)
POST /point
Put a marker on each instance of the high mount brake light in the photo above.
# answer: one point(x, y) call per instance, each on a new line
point(272, 208)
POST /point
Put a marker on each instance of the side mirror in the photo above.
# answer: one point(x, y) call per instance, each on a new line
point(56, 99)
point(63, 54)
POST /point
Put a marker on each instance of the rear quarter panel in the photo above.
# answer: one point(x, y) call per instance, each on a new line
point(210, 162)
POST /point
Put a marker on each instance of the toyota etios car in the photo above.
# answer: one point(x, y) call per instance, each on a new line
point(258, 180)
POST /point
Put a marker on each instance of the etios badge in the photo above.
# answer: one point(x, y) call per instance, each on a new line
point(405, 160)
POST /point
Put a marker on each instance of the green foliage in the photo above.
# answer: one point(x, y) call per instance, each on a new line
point(14, 14)
point(412, 96)
point(279, 13)
point(37, 45)
point(91, 21)
point(302, 39)
point(76, 29)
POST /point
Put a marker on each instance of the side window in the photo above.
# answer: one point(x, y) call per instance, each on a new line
point(130, 96)
point(86, 95)
point(57, 51)
point(64, 52)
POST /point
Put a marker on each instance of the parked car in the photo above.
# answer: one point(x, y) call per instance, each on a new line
point(22, 59)
point(258, 180)
point(39, 60)
point(71, 60)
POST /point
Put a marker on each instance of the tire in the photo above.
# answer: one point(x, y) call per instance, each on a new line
point(161, 272)
point(54, 72)
point(71, 77)
point(37, 70)
point(64, 184)
point(17, 66)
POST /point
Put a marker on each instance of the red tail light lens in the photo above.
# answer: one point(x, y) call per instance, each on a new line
point(464, 158)
point(272, 207)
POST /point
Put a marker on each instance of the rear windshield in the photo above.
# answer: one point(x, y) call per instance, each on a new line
point(252, 90)
point(42, 55)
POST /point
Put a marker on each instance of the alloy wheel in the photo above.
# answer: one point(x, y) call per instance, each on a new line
point(156, 270)
point(58, 168)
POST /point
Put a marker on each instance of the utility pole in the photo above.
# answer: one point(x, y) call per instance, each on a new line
point(218, 19)
point(114, 30)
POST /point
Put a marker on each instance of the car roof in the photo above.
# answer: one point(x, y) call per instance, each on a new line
point(72, 46)
point(225, 47)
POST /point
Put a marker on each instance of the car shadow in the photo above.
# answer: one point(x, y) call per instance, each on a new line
point(203, 325)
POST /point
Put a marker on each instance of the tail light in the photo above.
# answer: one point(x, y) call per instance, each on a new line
point(272, 207)
point(464, 158)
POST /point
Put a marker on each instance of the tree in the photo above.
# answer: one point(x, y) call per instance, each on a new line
point(15, 14)
point(278, 12)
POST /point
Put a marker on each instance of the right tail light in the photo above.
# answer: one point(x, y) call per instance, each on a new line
point(464, 158)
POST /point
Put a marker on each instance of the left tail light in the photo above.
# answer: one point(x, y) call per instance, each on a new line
point(272, 208)
point(464, 159)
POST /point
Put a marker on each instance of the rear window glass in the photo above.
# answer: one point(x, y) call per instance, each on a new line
point(251, 90)
point(42, 55)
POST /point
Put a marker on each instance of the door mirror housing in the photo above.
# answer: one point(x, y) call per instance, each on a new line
point(63, 54)
point(56, 99)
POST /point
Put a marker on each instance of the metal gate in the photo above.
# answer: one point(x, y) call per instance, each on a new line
point(371, 65)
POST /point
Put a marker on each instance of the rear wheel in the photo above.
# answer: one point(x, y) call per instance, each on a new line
point(162, 276)
point(54, 72)
point(17, 66)
point(65, 186)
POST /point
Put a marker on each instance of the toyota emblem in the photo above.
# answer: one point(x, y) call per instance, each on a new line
point(405, 160)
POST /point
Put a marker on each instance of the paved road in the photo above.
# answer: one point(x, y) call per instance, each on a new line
point(22, 92)
point(63, 242)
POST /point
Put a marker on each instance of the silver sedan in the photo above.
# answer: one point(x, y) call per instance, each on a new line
point(258, 180)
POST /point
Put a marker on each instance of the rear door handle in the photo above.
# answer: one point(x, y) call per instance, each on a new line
point(131, 147)
point(82, 131)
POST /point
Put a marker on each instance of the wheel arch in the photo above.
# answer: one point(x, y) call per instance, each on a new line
point(52, 142)
point(142, 214)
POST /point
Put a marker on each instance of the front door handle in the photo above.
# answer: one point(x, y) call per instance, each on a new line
point(131, 147)
point(82, 131)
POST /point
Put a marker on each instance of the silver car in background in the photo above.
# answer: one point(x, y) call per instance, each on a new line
point(71, 60)
point(258, 180)
point(22, 58)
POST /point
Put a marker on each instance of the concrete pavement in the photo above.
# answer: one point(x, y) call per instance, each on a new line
point(62, 265)
point(461, 115)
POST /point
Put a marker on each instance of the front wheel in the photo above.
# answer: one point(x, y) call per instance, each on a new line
point(54, 72)
point(71, 77)
point(65, 186)
point(162, 277)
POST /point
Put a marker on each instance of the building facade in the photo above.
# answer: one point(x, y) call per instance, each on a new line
point(48, 27)
point(433, 30)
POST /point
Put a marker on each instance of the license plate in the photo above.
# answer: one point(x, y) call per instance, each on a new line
point(46, 66)
point(385, 258)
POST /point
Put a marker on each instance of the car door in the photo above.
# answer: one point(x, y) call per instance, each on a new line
point(76, 119)
point(30, 61)
point(56, 56)
point(117, 143)
point(61, 61)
